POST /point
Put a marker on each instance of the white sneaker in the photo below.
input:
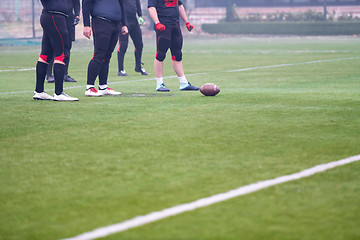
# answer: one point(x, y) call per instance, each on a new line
point(64, 97)
point(42, 96)
point(109, 91)
point(92, 92)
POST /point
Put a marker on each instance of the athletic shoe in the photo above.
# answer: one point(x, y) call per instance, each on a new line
point(67, 78)
point(64, 97)
point(122, 73)
point(142, 71)
point(189, 87)
point(92, 92)
point(50, 78)
point(42, 96)
point(162, 88)
point(109, 91)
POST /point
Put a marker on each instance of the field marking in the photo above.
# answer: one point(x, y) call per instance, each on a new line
point(203, 202)
point(196, 74)
point(18, 70)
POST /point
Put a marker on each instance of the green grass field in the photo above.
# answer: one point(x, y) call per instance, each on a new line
point(69, 168)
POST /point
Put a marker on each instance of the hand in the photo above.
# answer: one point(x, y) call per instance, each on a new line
point(160, 27)
point(76, 20)
point(87, 32)
point(124, 30)
point(189, 26)
point(141, 21)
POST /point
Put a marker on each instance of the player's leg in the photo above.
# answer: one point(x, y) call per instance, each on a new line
point(71, 31)
point(176, 57)
point(136, 36)
point(41, 68)
point(49, 73)
point(123, 45)
point(104, 71)
point(102, 36)
point(59, 41)
point(163, 40)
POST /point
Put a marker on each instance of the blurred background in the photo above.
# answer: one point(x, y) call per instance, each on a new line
point(19, 19)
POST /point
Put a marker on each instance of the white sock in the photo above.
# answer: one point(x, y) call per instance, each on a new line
point(159, 81)
point(182, 80)
point(89, 86)
point(102, 87)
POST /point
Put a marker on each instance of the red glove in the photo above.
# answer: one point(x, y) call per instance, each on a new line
point(160, 27)
point(189, 26)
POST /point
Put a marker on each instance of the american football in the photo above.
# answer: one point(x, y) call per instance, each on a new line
point(209, 89)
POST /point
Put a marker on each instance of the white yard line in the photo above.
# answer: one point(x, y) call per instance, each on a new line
point(203, 202)
point(195, 74)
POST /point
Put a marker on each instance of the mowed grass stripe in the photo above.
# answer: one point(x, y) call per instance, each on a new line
point(204, 202)
point(197, 74)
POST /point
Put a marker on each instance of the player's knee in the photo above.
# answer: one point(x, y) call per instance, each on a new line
point(139, 47)
point(177, 56)
point(99, 58)
point(60, 58)
point(43, 58)
point(160, 56)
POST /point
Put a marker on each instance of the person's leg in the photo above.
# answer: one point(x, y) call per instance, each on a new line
point(162, 45)
point(49, 73)
point(123, 45)
point(104, 71)
point(71, 30)
point(42, 64)
point(101, 36)
point(59, 39)
point(176, 57)
point(136, 36)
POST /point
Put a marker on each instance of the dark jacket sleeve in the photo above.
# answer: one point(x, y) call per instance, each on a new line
point(123, 13)
point(86, 10)
point(138, 8)
point(76, 4)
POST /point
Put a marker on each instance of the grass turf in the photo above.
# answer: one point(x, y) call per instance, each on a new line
point(67, 168)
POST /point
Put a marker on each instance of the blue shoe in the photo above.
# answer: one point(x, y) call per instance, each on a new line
point(189, 87)
point(162, 88)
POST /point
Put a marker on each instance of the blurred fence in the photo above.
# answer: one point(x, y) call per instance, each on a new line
point(20, 18)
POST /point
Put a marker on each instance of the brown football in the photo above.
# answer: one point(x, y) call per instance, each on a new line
point(209, 89)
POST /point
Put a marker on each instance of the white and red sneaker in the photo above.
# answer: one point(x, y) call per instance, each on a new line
point(92, 92)
point(109, 91)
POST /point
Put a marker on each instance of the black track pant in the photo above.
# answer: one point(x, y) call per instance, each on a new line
point(136, 36)
point(54, 42)
point(71, 29)
point(105, 36)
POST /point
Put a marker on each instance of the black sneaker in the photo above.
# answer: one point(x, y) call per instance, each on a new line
point(189, 87)
point(162, 88)
point(50, 78)
point(141, 70)
point(122, 73)
point(67, 78)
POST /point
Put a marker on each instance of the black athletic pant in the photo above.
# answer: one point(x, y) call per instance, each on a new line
point(105, 34)
point(71, 30)
point(54, 42)
point(136, 36)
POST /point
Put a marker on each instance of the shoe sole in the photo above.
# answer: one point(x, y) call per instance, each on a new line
point(93, 95)
point(66, 100)
point(42, 99)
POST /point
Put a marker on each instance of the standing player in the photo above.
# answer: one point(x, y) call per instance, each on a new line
point(72, 20)
point(54, 42)
point(165, 14)
point(106, 17)
point(132, 7)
